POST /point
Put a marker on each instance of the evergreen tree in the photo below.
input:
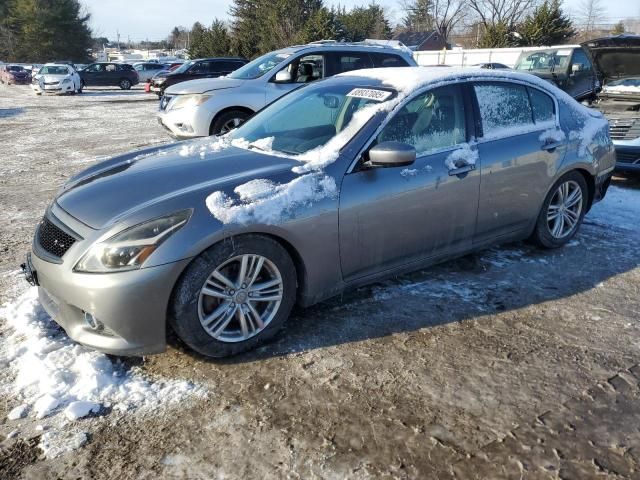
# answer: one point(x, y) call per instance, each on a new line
point(365, 22)
point(498, 36)
point(418, 15)
point(245, 27)
point(44, 30)
point(322, 25)
point(547, 25)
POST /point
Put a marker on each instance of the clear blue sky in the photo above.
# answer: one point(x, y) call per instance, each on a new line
point(153, 19)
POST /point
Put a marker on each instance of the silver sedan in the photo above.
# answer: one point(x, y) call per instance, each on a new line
point(365, 175)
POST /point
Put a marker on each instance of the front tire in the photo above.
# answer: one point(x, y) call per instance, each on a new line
point(562, 211)
point(234, 296)
point(228, 121)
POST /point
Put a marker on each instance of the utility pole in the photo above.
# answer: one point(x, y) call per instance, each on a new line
point(118, 35)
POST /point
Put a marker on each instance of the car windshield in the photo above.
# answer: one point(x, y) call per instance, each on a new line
point(53, 70)
point(309, 118)
point(544, 61)
point(184, 67)
point(259, 66)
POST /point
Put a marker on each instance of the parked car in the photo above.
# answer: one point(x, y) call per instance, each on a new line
point(146, 70)
point(569, 68)
point(493, 66)
point(617, 60)
point(209, 107)
point(110, 75)
point(56, 78)
point(200, 68)
point(11, 74)
point(167, 68)
point(362, 176)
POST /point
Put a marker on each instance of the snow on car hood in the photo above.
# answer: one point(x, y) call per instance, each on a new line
point(203, 85)
point(615, 57)
point(157, 175)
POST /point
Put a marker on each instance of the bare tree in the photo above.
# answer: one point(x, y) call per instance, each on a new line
point(504, 12)
point(447, 14)
point(589, 12)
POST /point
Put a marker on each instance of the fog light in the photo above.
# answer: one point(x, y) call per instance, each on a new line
point(92, 322)
point(183, 127)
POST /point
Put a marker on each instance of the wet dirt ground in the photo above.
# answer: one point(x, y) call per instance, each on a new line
point(514, 362)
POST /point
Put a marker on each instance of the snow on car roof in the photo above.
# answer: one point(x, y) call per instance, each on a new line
point(406, 79)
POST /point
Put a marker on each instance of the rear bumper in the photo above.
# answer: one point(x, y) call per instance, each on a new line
point(131, 307)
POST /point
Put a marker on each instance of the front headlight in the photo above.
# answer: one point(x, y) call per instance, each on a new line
point(184, 101)
point(129, 249)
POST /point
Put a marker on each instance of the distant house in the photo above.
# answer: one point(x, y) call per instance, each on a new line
point(416, 41)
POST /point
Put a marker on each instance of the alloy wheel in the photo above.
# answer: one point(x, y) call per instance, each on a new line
point(240, 298)
point(564, 209)
point(231, 125)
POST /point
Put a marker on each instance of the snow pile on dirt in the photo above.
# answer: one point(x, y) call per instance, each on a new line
point(53, 375)
point(55, 443)
point(264, 201)
point(464, 155)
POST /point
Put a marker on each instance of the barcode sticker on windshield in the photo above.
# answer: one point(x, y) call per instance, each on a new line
point(370, 94)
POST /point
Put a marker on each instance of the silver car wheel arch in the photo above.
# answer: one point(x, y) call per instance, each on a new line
point(244, 292)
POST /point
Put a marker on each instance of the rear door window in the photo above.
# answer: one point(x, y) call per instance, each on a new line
point(387, 60)
point(543, 106)
point(503, 106)
point(348, 61)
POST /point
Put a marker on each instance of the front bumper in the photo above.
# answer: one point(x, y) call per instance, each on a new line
point(627, 157)
point(55, 89)
point(130, 307)
point(185, 123)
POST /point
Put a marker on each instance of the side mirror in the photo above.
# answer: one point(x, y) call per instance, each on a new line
point(392, 154)
point(283, 76)
point(576, 67)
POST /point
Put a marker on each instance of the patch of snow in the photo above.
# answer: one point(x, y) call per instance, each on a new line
point(266, 202)
point(204, 146)
point(552, 135)
point(621, 89)
point(464, 155)
point(620, 208)
point(18, 412)
point(55, 443)
point(409, 172)
point(12, 434)
point(50, 372)
point(45, 405)
point(80, 409)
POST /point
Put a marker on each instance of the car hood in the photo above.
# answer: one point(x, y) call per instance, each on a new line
point(202, 85)
point(615, 57)
point(52, 78)
point(121, 186)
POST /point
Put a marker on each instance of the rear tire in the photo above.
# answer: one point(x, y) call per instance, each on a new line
point(228, 121)
point(562, 211)
point(234, 318)
point(125, 84)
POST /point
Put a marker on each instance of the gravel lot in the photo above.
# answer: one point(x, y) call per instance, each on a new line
point(510, 363)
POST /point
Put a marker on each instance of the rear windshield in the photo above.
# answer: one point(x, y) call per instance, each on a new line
point(15, 68)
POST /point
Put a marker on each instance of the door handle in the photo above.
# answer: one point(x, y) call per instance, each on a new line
point(551, 146)
point(462, 170)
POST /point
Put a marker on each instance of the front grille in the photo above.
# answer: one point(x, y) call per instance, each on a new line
point(624, 128)
point(624, 157)
point(164, 101)
point(51, 83)
point(53, 239)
